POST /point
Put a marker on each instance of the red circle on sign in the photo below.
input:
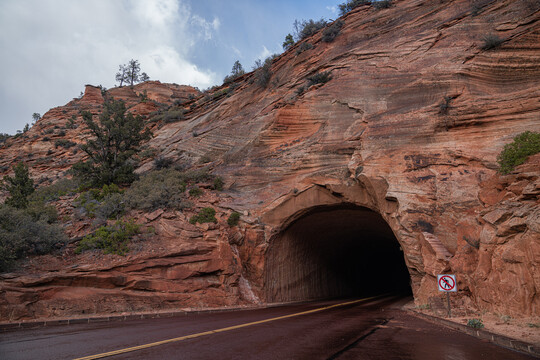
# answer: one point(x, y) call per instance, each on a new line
point(445, 281)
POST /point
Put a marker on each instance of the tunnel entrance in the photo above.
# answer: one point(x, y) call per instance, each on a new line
point(335, 251)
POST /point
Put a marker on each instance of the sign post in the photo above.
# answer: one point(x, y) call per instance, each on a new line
point(447, 284)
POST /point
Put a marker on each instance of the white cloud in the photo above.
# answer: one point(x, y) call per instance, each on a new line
point(51, 48)
point(264, 53)
point(332, 9)
point(205, 26)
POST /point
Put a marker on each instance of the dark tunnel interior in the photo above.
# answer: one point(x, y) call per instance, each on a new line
point(335, 252)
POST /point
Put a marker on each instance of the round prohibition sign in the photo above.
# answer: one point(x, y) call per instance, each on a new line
point(447, 283)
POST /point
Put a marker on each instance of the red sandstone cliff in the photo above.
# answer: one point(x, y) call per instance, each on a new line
point(374, 136)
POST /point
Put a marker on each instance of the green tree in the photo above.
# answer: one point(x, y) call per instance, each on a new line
point(20, 186)
point(144, 77)
point(289, 41)
point(121, 74)
point(131, 73)
point(133, 70)
point(36, 117)
point(115, 138)
point(237, 70)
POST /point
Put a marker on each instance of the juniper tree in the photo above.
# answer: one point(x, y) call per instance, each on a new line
point(113, 141)
point(20, 186)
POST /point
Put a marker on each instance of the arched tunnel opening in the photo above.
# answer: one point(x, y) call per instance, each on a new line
point(338, 251)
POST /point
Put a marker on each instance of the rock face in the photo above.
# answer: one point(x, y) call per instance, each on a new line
point(396, 152)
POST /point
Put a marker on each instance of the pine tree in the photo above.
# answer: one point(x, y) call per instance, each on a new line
point(289, 41)
point(20, 186)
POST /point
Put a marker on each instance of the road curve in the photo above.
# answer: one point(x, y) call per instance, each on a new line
point(366, 329)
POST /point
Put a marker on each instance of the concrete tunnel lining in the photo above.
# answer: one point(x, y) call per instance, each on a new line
point(335, 251)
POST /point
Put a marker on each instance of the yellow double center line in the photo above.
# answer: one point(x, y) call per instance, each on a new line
point(192, 336)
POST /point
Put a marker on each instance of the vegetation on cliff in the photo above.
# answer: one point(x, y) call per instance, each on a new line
point(517, 152)
point(26, 222)
point(19, 187)
point(110, 149)
point(112, 239)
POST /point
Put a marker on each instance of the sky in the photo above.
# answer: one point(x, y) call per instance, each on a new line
point(52, 48)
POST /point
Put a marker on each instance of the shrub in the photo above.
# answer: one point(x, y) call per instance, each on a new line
point(158, 189)
point(55, 191)
point(475, 323)
point(350, 5)
point(111, 207)
point(491, 41)
point(218, 183)
point(205, 159)
point(196, 176)
point(233, 219)
point(381, 4)
point(66, 144)
point(330, 33)
point(162, 163)
point(98, 202)
point(170, 116)
point(39, 211)
point(445, 105)
point(112, 239)
point(303, 47)
point(307, 28)
point(517, 152)
point(262, 71)
point(147, 153)
point(21, 235)
point(195, 192)
point(206, 215)
point(4, 137)
point(173, 116)
point(320, 78)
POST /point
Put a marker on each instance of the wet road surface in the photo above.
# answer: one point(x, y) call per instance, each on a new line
point(374, 329)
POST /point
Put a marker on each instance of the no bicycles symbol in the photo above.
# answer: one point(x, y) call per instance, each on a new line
point(447, 283)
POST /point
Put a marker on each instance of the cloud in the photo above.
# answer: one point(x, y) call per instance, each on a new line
point(207, 27)
point(332, 9)
point(264, 53)
point(52, 48)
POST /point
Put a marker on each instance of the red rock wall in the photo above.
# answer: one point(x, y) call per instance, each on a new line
point(376, 136)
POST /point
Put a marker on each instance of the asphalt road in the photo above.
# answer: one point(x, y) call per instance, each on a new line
point(372, 329)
